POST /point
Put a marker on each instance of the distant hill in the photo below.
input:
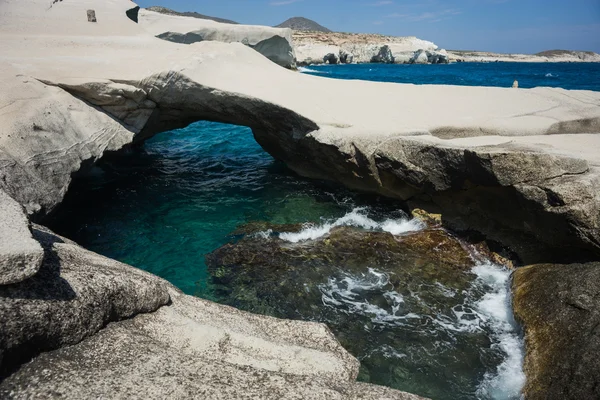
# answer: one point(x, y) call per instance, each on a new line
point(302, 24)
point(555, 53)
point(164, 10)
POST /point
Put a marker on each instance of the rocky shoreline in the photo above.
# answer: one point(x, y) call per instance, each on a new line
point(520, 167)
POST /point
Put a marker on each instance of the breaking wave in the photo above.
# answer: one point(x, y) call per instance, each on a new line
point(312, 71)
point(495, 309)
point(486, 308)
point(356, 218)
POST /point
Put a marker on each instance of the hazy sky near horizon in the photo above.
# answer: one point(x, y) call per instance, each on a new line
point(527, 26)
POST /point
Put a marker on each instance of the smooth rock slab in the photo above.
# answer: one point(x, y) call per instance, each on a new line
point(197, 349)
point(75, 294)
point(20, 255)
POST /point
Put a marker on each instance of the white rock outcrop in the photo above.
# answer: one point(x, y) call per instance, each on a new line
point(520, 166)
point(273, 43)
point(312, 47)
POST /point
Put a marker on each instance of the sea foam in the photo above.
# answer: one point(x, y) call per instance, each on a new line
point(356, 218)
point(312, 71)
point(495, 307)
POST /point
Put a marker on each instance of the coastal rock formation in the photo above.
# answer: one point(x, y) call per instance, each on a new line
point(273, 43)
point(520, 167)
point(125, 326)
point(330, 59)
point(546, 56)
point(74, 294)
point(345, 57)
point(560, 308)
point(384, 56)
point(311, 47)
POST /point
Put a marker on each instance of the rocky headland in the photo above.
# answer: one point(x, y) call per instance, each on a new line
point(347, 48)
point(545, 56)
point(520, 168)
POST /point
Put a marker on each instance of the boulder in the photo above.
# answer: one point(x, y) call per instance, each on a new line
point(420, 57)
point(384, 56)
point(404, 57)
point(74, 294)
point(438, 57)
point(345, 57)
point(20, 255)
point(330, 59)
point(559, 306)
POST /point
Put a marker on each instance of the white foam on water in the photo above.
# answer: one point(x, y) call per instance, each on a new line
point(347, 295)
point(264, 234)
point(550, 75)
point(357, 218)
point(314, 71)
point(495, 307)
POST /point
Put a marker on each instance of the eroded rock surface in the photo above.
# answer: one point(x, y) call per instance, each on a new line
point(20, 255)
point(129, 334)
point(559, 306)
point(273, 43)
point(74, 295)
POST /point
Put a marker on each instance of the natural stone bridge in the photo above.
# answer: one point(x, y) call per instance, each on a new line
point(518, 166)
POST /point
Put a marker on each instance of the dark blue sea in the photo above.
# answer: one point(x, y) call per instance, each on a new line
point(164, 207)
point(576, 76)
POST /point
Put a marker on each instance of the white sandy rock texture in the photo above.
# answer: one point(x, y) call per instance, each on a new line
point(520, 166)
point(273, 43)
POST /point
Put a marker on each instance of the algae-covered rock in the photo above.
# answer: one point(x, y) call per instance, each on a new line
point(400, 304)
point(559, 306)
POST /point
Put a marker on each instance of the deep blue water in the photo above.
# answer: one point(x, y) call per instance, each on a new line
point(579, 76)
point(165, 206)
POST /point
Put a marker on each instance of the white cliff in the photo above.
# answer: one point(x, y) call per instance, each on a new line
point(312, 47)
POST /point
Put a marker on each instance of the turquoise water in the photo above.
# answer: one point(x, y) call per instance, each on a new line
point(165, 206)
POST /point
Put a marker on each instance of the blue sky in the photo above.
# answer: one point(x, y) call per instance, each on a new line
point(527, 26)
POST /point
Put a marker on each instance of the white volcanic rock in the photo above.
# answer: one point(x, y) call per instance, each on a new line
point(307, 54)
point(519, 165)
point(273, 43)
point(311, 47)
point(429, 57)
point(420, 57)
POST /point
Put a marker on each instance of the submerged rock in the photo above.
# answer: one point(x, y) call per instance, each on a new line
point(559, 306)
point(390, 300)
